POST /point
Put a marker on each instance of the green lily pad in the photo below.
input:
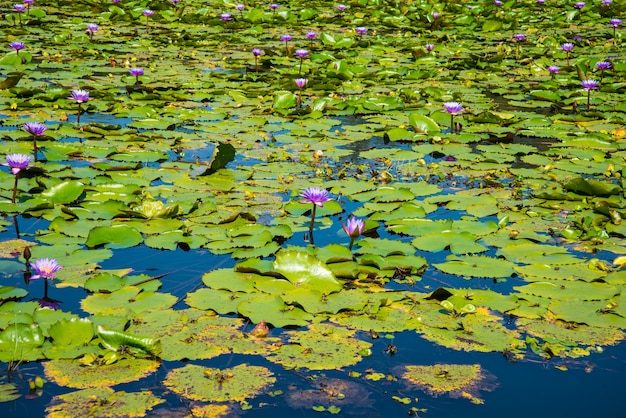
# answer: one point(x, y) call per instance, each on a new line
point(219, 385)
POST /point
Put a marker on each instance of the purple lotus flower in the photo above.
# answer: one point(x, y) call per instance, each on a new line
point(606, 3)
point(17, 46)
point(435, 15)
point(92, 27)
point(301, 82)
point(45, 267)
point(603, 65)
point(497, 2)
point(520, 37)
point(226, 16)
point(315, 195)
point(579, 5)
point(175, 2)
point(589, 84)
point(285, 38)
point(17, 162)
point(553, 69)
point(274, 6)
point(577, 38)
point(615, 22)
point(20, 8)
point(136, 72)
point(567, 47)
point(35, 128)
point(454, 108)
point(147, 13)
point(28, 2)
point(429, 47)
point(257, 52)
point(80, 96)
point(540, 2)
point(341, 7)
point(240, 7)
point(311, 35)
point(361, 30)
point(354, 227)
point(301, 53)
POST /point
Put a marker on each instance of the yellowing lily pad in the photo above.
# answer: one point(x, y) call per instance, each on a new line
point(219, 385)
point(73, 374)
point(102, 402)
point(457, 380)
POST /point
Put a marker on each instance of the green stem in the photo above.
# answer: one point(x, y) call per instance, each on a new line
point(451, 123)
point(14, 190)
point(35, 146)
point(312, 223)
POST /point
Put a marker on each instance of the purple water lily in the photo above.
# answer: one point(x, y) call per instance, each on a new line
point(497, 3)
point(589, 85)
point(317, 197)
point(240, 8)
point(453, 108)
point(353, 228)
point(136, 72)
point(147, 13)
point(615, 23)
point(35, 129)
point(257, 52)
point(79, 96)
point(17, 163)
point(45, 268)
point(286, 39)
point(361, 31)
point(429, 47)
point(567, 47)
point(311, 36)
point(603, 66)
point(519, 37)
point(341, 7)
point(553, 69)
point(579, 5)
point(300, 83)
point(91, 29)
point(302, 54)
point(17, 46)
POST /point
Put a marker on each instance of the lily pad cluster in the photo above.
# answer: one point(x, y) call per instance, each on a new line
point(499, 230)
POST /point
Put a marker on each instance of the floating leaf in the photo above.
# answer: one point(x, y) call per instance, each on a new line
point(104, 402)
point(322, 347)
point(219, 385)
point(73, 374)
point(476, 266)
point(457, 380)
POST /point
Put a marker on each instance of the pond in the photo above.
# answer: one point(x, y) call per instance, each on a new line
point(375, 209)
